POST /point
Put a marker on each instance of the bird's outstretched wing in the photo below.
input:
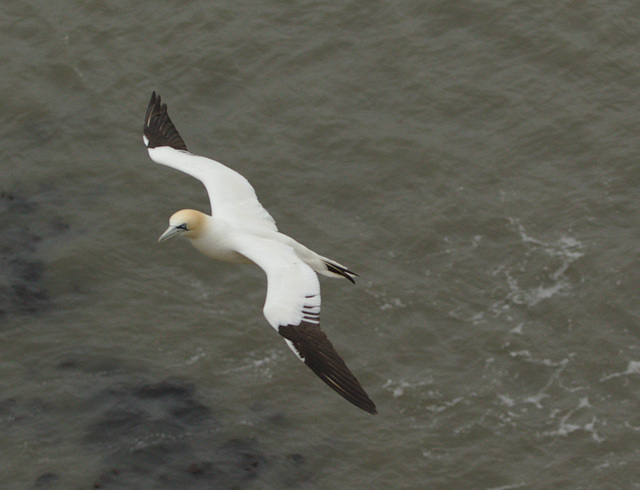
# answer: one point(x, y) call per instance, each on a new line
point(230, 194)
point(292, 307)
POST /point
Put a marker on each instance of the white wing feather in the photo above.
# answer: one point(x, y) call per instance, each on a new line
point(231, 195)
point(293, 289)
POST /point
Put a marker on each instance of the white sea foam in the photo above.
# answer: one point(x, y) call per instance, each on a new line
point(398, 388)
point(567, 249)
point(632, 368)
point(567, 427)
point(262, 366)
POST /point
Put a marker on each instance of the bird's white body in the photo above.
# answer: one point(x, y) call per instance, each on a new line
point(239, 229)
point(216, 240)
point(219, 240)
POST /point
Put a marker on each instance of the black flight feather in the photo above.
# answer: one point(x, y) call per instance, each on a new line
point(158, 128)
point(318, 353)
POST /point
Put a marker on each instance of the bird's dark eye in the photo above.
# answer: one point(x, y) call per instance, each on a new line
point(183, 226)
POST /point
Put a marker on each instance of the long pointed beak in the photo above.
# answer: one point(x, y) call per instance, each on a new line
point(171, 232)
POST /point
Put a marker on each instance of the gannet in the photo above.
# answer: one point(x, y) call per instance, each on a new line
point(241, 230)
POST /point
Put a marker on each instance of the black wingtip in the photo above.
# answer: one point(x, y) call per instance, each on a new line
point(158, 128)
point(320, 356)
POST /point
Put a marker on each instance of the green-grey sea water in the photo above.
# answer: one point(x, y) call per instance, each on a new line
point(476, 163)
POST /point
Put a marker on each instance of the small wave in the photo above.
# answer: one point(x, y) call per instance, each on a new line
point(632, 368)
point(566, 427)
point(397, 388)
point(261, 366)
point(566, 250)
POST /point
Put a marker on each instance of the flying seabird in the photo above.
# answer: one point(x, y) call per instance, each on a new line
point(241, 230)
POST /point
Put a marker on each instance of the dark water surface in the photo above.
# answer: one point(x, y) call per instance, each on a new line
point(475, 162)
